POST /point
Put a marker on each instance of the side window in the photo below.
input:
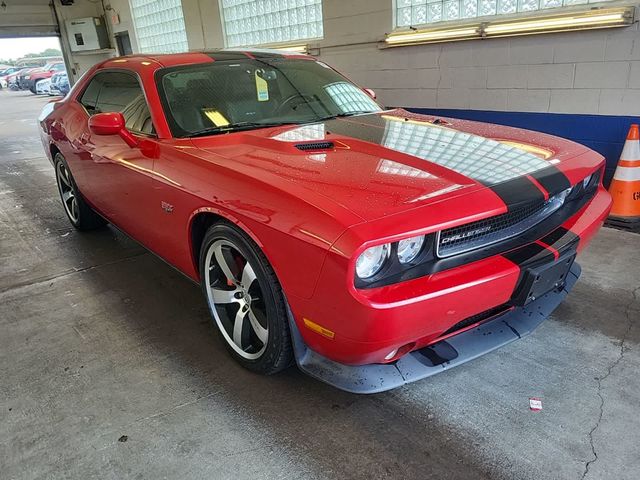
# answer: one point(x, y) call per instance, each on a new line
point(89, 98)
point(119, 92)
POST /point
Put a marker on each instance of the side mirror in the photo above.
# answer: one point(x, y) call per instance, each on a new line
point(370, 92)
point(112, 123)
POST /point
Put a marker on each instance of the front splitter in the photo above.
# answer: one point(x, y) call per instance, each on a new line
point(435, 358)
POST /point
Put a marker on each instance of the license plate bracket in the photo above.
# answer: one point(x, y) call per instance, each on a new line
point(541, 279)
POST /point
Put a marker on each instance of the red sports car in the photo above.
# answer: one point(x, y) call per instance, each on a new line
point(374, 247)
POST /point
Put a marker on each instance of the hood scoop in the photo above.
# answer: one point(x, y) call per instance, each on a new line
point(305, 147)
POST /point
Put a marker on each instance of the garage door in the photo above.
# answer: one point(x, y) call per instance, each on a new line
point(27, 18)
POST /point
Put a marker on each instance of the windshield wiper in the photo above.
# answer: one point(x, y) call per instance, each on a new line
point(235, 127)
point(345, 114)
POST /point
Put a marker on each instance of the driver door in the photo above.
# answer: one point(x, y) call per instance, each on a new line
point(117, 177)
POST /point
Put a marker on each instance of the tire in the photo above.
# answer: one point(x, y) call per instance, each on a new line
point(78, 212)
point(249, 309)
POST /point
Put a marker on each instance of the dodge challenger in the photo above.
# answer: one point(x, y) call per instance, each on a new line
point(373, 247)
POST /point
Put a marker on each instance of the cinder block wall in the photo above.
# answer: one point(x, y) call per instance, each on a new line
point(593, 72)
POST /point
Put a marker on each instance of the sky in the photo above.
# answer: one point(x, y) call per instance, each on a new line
point(18, 47)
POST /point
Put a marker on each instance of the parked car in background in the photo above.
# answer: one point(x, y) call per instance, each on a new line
point(4, 75)
point(12, 81)
point(13, 78)
point(56, 79)
point(22, 76)
point(32, 78)
point(42, 87)
point(63, 85)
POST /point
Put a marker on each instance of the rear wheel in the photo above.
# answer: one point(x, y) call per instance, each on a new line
point(245, 300)
point(78, 212)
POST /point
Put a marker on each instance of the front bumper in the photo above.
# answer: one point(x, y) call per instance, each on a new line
point(365, 327)
point(435, 358)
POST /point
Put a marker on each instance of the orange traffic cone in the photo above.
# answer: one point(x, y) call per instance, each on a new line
point(625, 186)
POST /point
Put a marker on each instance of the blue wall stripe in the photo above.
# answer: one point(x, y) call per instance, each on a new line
point(603, 133)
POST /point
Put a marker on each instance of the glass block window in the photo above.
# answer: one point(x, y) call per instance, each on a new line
point(350, 98)
point(159, 26)
point(302, 134)
point(419, 12)
point(482, 159)
point(389, 167)
point(259, 22)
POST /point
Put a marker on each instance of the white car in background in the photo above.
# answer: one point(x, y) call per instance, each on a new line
point(42, 87)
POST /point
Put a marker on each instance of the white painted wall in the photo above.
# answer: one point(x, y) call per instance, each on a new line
point(79, 62)
point(123, 11)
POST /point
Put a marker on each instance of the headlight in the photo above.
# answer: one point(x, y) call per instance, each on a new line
point(586, 181)
point(27, 77)
point(409, 248)
point(371, 260)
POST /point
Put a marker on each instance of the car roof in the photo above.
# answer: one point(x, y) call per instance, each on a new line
point(201, 56)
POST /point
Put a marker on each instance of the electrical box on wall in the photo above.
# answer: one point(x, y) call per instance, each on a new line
point(87, 34)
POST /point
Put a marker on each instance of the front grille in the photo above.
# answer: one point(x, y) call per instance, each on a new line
point(470, 236)
point(478, 318)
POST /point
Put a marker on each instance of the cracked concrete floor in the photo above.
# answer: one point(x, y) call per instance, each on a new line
point(101, 340)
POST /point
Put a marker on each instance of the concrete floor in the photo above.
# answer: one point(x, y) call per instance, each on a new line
point(100, 340)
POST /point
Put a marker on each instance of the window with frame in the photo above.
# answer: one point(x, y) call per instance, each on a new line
point(421, 12)
point(119, 92)
point(159, 26)
point(260, 22)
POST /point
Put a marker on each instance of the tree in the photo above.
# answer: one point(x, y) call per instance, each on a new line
point(49, 52)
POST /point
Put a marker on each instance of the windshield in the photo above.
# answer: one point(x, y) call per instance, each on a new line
point(240, 94)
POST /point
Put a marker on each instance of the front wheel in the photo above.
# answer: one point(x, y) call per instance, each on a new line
point(245, 300)
point(79, 213)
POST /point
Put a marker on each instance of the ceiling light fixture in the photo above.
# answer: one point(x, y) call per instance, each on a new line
point(530, 25)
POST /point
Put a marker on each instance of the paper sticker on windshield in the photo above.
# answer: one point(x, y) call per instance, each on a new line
point(216, 117)
point(261, 88)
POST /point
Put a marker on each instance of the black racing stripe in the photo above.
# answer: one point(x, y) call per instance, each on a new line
point(514, 192)
point(531, 253)
point(561, 239)
point(517, 192)
point(552, 179)
point(361, 130)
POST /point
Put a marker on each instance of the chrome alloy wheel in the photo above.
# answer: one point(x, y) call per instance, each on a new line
point(67, 192)
point(236, 299)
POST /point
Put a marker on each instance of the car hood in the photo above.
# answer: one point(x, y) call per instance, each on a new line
point(381, 164)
